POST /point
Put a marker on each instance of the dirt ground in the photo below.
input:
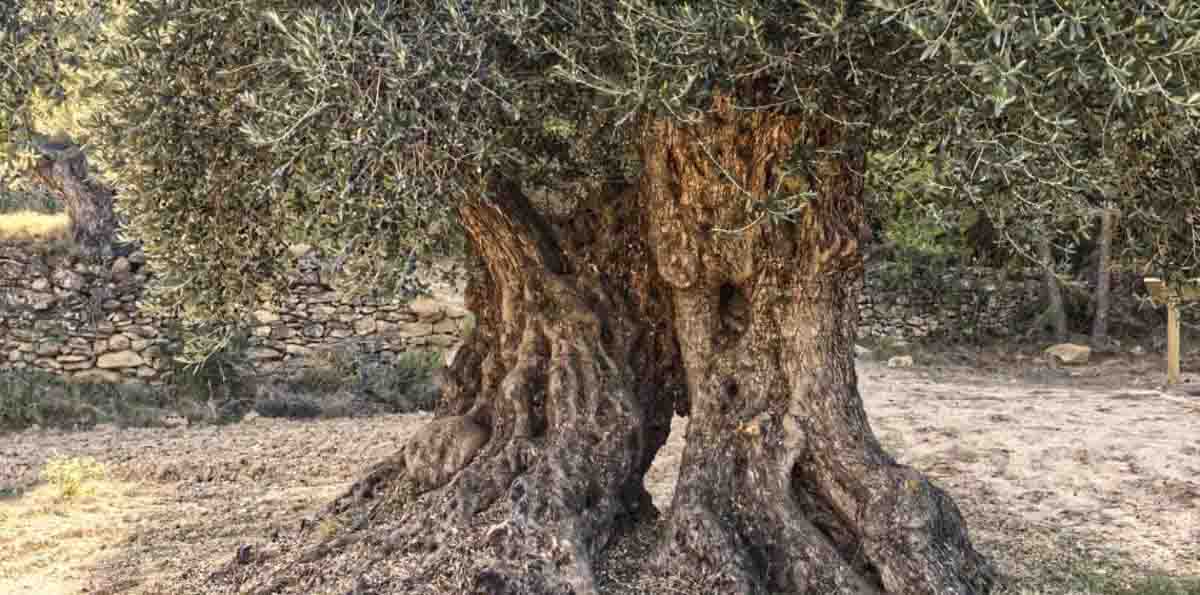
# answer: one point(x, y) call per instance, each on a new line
point(1050, 467)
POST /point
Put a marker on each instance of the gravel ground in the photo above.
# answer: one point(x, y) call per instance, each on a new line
point(1050, 467)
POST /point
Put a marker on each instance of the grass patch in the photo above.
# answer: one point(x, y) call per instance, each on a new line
point(1102, 579)
point(72, 477)
point(31, 225)
point(38, 398)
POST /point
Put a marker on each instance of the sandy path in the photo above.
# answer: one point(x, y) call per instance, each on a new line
point(1033, 466)
point(1120, 467)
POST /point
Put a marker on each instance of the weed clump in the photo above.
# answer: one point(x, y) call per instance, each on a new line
point(71, 476)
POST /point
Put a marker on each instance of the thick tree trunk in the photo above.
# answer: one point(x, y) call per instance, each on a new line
point(551, 414)
point(592, 326)
point(783, 486)
point(63, 170)
point(1054, 299)
point(1103, 278)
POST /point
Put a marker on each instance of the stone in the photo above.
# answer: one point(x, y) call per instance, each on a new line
point(119, 359)
point(860, 351)
point(323, 313)
point(262, 331)
point(441, 340)
point(263, 353)
point(365, 326)
point(97, 376)
point(1071, 354)
point(73, 359)
point(427, 309)
point(140, 345)
point(298, 350)
point(69, 280)
point(48, 348)
point(314, 331)
point(324, 297)
point(143, 331)
point(40, 284)
point(146, 372)
point(119, 342)
point(266, 316)
point(138, 257)
point(447, 326)
point(121, 268)
point(900, 361)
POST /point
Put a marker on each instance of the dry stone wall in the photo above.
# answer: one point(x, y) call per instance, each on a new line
point(86, 321)
point(959, 303)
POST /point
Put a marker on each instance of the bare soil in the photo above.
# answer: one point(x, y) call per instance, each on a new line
point(1053, 468)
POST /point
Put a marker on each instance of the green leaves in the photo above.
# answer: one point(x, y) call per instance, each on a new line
point(233, 128)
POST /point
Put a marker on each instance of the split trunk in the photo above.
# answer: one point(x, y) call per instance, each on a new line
point(594, 326)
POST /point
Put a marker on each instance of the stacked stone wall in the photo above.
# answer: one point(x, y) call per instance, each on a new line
point(60, 314)
point(87, 321)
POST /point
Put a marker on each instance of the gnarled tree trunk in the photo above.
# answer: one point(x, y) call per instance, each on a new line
point(591, 328)
point(783, 487)
point(63, 170)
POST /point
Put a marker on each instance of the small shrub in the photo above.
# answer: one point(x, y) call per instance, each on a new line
point(35, 397)
point(70, 475)
point(326, 371)
point(291, 408)
point(405, 386)
point(345, 383)
point(220, 380)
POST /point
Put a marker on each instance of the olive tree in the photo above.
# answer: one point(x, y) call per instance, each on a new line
point(663, 204)
point(48, 94)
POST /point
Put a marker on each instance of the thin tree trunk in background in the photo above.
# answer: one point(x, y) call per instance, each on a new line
point(1058, 317)
point(1103, 277)
point(63, 170)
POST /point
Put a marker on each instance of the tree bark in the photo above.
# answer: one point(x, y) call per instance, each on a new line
point(783, 486)
point(1103, 278)
point(1054, 298)
point(551, 414)
point(591, 328)
point(63, 170)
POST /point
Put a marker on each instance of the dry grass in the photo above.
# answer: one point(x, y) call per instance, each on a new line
point(49, 543)
point(31, 225)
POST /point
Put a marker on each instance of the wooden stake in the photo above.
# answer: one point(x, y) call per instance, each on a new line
point(1172, 342)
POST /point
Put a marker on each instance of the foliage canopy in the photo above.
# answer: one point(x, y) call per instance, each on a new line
point(233, 127)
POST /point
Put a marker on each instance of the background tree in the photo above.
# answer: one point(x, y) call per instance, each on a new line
point(50, 90)
point(664, 204)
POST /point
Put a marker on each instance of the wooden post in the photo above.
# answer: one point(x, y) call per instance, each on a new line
point(1172, 341)
point(1162, 295)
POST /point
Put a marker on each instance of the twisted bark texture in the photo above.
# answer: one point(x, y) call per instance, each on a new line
point(592, 327)
point(63, 170)
point(783, 487)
